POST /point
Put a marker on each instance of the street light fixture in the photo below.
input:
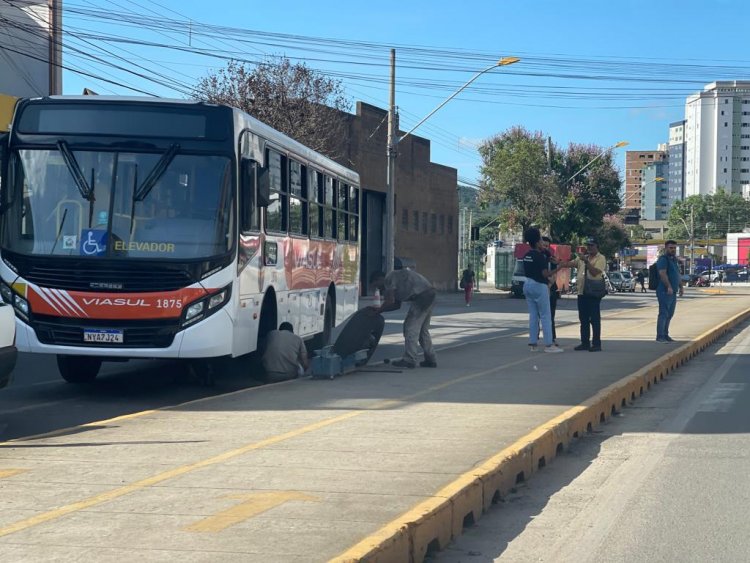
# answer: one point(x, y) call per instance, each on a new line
point(394, 139)
point(597, 157)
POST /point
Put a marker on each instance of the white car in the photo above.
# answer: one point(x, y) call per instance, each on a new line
point(8, 351)
point(711, 275)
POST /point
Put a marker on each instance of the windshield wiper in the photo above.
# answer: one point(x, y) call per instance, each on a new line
point(59, 231)
point(75, 171)
point(156, 173)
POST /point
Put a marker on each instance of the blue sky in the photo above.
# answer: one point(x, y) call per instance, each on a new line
point(590, 72)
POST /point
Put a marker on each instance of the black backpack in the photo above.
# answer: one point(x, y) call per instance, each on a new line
point(653, 277)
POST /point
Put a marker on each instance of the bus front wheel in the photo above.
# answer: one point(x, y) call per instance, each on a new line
point(78, 369)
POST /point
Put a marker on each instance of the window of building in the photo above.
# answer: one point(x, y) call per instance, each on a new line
point(424, 222)
point(433, 223)
point(405, 219)
point(441, 224)
point(415, 221)
point(450, 224)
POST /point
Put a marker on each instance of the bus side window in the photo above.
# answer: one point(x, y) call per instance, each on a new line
point(248, 209)
point(3, 172)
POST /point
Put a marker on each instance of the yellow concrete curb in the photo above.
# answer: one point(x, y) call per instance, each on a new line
point(432, 524)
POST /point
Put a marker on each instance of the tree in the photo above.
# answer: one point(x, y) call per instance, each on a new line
point(515, 172)
point(724, 213)
point(611, 236)
point(591, 196)
point(291, 98)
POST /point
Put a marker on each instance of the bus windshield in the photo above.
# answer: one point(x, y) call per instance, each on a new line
point(68, 202)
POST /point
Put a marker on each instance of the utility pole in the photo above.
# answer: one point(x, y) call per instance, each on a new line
point(390, 204)
point(692, 241)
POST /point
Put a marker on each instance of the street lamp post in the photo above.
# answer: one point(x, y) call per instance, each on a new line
point(691, 232)
point(710, 258)
point(394, 139)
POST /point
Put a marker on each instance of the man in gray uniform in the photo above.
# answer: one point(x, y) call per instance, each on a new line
point(285, 355)
point(407, 285)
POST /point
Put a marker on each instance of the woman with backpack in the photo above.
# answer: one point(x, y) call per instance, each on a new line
point(467, 283)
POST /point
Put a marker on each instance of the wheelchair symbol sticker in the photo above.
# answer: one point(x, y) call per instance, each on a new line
point(93, 242)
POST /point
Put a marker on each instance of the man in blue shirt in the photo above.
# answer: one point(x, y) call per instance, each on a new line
point(670, 283)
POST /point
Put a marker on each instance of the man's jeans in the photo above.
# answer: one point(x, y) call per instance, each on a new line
point(537, 298)
point(417, 328)
point(667, 304)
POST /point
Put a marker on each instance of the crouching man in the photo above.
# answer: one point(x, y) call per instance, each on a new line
point(406, 285)
point(285, 356)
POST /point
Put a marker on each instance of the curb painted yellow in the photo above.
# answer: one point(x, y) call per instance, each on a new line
point(434, 522)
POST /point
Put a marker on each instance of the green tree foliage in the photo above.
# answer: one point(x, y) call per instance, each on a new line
point(515, 171)
point(291, 98)
point(612, 236)
point(724, 212)
point(589, 197)
point(535, 188)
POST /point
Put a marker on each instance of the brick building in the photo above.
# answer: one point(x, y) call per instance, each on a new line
point(635, 161)
point(426, 222)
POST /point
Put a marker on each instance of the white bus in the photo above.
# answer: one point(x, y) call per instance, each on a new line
point(149, 228)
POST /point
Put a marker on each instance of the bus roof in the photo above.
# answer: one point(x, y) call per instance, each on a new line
point(242, 119)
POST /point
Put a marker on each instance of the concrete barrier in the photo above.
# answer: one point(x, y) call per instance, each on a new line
point(433, 523)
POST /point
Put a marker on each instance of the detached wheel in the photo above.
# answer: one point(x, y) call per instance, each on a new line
point(78, 369)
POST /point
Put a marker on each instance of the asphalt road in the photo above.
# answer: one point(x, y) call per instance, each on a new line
point(666, 480)
point(39, 401)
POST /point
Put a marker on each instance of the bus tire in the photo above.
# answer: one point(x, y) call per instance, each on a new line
point(324, 338)
point(78, 369)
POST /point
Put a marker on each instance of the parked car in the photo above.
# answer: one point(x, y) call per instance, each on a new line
point(710, 275)
point(8, 351)
point(621, 282)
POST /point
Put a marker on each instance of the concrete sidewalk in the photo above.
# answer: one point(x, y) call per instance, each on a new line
point(304, 470)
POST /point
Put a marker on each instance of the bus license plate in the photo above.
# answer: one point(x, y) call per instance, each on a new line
point(109, 336)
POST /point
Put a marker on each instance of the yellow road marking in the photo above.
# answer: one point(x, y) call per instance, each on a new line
point(179, 471)
point(252, 504)
point(5, 473)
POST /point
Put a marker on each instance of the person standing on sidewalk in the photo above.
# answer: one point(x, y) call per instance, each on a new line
point(536, 290)
point(670, 283)
point(554, 291)
point(400, 285)
point(590, 264)
point(641, 279)
point(468, 278)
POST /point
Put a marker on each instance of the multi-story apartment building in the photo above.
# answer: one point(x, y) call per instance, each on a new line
point(717, 139)
point(655, 200)
point(676, 172)
point(634, 164)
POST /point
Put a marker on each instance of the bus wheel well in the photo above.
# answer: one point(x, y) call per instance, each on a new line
point(269, 317)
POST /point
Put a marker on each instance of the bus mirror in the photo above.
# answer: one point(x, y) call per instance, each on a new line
point(264, 187)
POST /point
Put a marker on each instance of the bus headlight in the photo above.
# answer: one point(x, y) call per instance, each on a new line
point(206, 306)
point(21, 304)
point(7, 293)
point(194, 310)
point(217, 299)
